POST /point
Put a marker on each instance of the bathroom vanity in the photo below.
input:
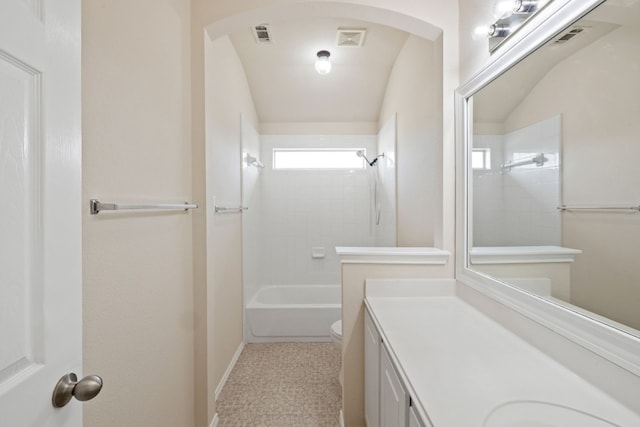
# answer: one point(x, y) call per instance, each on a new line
point(433, 360)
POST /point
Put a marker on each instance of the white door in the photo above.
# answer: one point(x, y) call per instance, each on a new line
point(40, 217)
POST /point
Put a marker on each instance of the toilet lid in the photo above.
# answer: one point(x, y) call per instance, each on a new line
point(336, 329)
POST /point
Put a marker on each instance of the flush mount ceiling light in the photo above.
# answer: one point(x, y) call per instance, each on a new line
point(323, 65)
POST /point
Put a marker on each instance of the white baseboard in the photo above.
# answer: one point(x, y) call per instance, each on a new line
point(215, 420)
point(225, 377)
point(341, 418)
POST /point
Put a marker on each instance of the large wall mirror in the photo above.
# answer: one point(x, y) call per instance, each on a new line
point(553, 168)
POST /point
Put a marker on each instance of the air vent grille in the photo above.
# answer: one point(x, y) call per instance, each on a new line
point(350, 37)
point(570, 34)
point(262, 34)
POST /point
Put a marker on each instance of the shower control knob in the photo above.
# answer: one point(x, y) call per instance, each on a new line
point(68, 387)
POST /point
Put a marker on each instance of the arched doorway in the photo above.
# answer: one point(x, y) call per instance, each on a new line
point(211, 25)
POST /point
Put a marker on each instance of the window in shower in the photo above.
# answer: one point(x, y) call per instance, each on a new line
point(317, 158)
point(481, 159)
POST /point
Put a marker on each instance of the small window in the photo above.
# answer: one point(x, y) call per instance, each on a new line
point(481, 159)
point(317, 158)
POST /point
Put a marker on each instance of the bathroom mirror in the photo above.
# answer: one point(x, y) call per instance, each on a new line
point(550, 135)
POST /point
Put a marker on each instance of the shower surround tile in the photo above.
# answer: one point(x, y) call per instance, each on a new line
point(282, 385)
point(518, 207)
point(311, 208)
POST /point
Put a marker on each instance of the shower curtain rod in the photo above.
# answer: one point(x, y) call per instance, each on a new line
point(539, 160)
point(223, 210)
point(599, 208)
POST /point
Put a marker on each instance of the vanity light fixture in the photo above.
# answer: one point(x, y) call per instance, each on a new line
point(525, 6)
point(511, 15)
point(499, 30)
point(323, 65)
point(506, 8)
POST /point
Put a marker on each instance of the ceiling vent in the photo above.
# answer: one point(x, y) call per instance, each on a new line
point(262, 34)
point(350, 37)
point(570, 34)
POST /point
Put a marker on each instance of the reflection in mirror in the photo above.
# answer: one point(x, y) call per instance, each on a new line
point(561, 128)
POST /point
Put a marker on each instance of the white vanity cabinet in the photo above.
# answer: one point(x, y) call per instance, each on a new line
point(387, 402)
point(414, 418)
point(372, 345)
point(394, 400)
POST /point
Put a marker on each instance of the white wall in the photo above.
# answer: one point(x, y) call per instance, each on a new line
point(518, 207)
point(413, 93)
point(474, 48)
point(137, 267)
point(227, 97)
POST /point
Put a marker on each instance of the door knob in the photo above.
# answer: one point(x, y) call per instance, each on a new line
point(69, 386)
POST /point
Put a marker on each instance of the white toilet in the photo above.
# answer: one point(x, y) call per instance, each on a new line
point(336, 336)
point(336, 333)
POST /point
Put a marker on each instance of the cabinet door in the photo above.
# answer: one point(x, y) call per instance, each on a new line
point(371, 373)
point(393, 398)
point(415, 420)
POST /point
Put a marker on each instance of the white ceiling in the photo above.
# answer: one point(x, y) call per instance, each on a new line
point(285, 86)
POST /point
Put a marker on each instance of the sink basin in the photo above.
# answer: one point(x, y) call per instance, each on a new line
point(541, 414)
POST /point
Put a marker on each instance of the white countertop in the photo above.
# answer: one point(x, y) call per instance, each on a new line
point(392, 255)
point(460, 364)
point(521, 254)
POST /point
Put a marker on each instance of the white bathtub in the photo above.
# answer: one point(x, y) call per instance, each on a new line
point(294, 312)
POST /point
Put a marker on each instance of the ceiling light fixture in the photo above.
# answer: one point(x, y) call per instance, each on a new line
point(323, 65)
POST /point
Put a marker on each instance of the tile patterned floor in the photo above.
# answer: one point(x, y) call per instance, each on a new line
point(283, 385)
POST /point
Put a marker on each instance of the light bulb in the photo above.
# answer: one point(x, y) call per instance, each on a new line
point(504, 9)
point(482, 31)
point(323, 65)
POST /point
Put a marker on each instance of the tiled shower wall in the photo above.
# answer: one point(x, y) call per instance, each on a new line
point(300, 210)
point(385, 231)
point(251, 218)
point(518, 207)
